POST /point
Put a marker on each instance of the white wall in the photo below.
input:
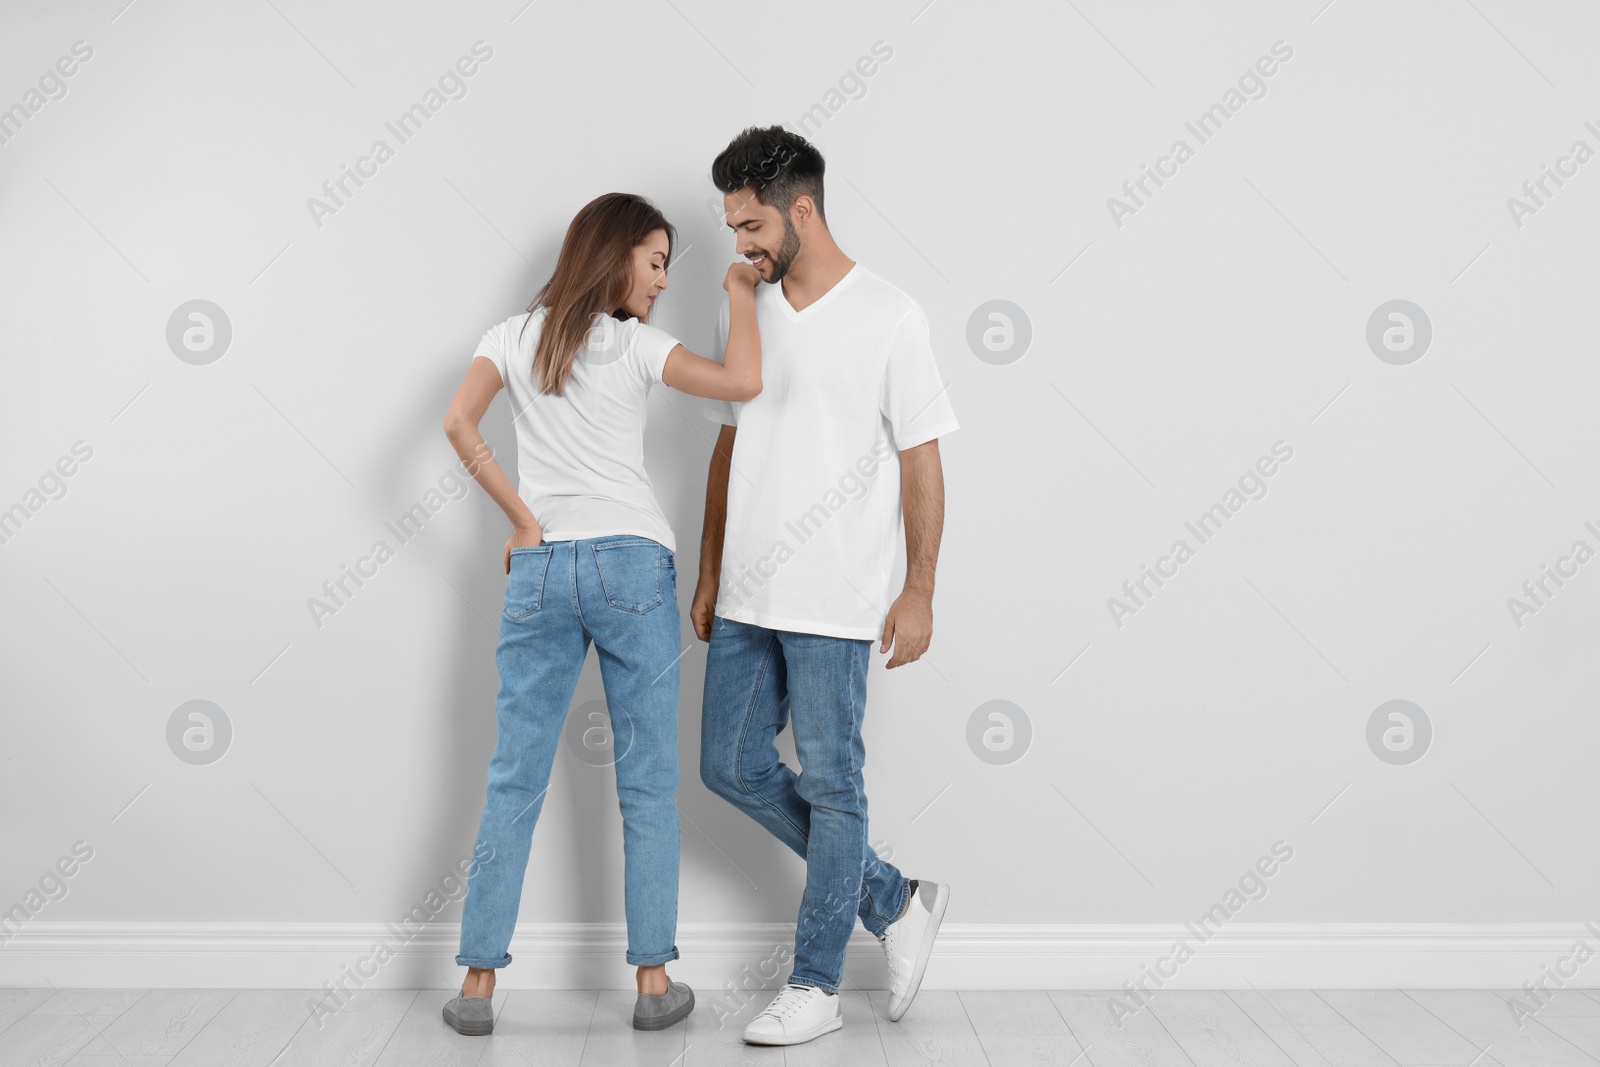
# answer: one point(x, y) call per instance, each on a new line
point(1229, 312)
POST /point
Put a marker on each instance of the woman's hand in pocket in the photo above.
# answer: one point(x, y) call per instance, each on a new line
point(520, 537)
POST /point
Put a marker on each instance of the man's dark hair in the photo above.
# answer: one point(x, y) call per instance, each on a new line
point(776, 164)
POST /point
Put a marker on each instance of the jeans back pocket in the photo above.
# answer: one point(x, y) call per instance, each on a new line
point(525, 588)
point(630, 573)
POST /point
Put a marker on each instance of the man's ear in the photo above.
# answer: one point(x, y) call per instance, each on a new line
point(804, 209)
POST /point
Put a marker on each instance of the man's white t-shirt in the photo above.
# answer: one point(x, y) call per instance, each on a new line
point(580, 456)
point(814, 518)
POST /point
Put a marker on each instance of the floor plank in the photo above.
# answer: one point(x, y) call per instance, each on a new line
point(161, 1022)
point(1215, 1031)
point(1013, 1013)
point(1303, 1052)
point(714, 1035)
point(1582, 1030)
point(858, 1042)
point(111, 1002)
point(539, 1028)
point(613, 1042)
point(1482, 1019)
point(990, 1028)
point(1401, 1027)
point(1032, 1050)
point(250, 1031)
point(1342, 1045)
point(346, 1039)
point(399, 1000)
point(1276, 1025)
point(1140, 1040)
point(935, 1032)
point(423, 1039)
point(15, 1003)
point(1285, 1007)
point(45, 1040)
point(1569, 1002)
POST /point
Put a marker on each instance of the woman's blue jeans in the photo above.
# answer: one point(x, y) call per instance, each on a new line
point(621, 593)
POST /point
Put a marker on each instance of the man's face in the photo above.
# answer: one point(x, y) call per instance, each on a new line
point(762, 234)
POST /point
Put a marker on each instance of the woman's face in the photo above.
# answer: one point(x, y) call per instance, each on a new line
point(647, 274)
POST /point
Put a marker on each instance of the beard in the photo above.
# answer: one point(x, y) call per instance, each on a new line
point(784, 257)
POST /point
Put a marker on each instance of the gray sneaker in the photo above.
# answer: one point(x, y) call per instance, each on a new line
point(657, 1011)
point(473, 1016)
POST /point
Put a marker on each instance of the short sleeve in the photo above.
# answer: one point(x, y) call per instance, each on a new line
point(915, 399)
point(493, 348)
point(651, 346)
point(725, 412)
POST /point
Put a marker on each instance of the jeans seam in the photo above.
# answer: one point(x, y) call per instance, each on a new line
point(858, 781)
point(577, 606)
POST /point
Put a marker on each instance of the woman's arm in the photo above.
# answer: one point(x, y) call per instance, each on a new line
point(479, 386)
point(738, 376)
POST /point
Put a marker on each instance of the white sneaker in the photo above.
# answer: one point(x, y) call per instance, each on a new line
point(909, 941)
point(798, 1013)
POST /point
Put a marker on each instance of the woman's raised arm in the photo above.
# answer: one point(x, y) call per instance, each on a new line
point(738, 376)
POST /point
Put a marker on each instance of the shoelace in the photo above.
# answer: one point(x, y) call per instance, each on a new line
point(898, 962)
point(788, 1001)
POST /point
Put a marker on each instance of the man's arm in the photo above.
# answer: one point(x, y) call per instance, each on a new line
point(909, 625)
point(716, 522)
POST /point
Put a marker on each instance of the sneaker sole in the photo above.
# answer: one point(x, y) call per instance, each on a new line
point(472, 1029)
point(661, 1022)
point(941, 900)
point(796, 1039)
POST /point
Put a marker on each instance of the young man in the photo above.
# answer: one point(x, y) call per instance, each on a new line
point(803, 508)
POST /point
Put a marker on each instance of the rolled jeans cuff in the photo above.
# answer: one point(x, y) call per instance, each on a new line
point(655, 959)
point(796, 980)
point(487, 965)
point(876, 922)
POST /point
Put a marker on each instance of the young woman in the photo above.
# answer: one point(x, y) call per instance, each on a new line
point(590, 558)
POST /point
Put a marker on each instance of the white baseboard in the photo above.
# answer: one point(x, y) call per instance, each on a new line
point(590, 956)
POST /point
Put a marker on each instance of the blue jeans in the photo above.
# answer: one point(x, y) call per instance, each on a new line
point(757, 680)
point(621, 592)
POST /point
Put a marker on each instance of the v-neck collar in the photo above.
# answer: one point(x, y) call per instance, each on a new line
point(795, 316)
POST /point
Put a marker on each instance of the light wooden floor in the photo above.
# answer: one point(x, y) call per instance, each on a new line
point(390, 1028)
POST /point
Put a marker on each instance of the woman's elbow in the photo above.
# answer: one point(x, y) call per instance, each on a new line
point(748, 390)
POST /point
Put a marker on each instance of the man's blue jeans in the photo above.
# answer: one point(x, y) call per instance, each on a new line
point(757, 680)
point(620, 592)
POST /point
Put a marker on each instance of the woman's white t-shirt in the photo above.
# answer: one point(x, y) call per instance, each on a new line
point(580, 455)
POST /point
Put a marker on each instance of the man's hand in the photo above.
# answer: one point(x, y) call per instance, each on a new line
point(704, 606)
point(909, 627)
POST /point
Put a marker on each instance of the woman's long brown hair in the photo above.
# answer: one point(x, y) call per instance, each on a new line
point(591, 276)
